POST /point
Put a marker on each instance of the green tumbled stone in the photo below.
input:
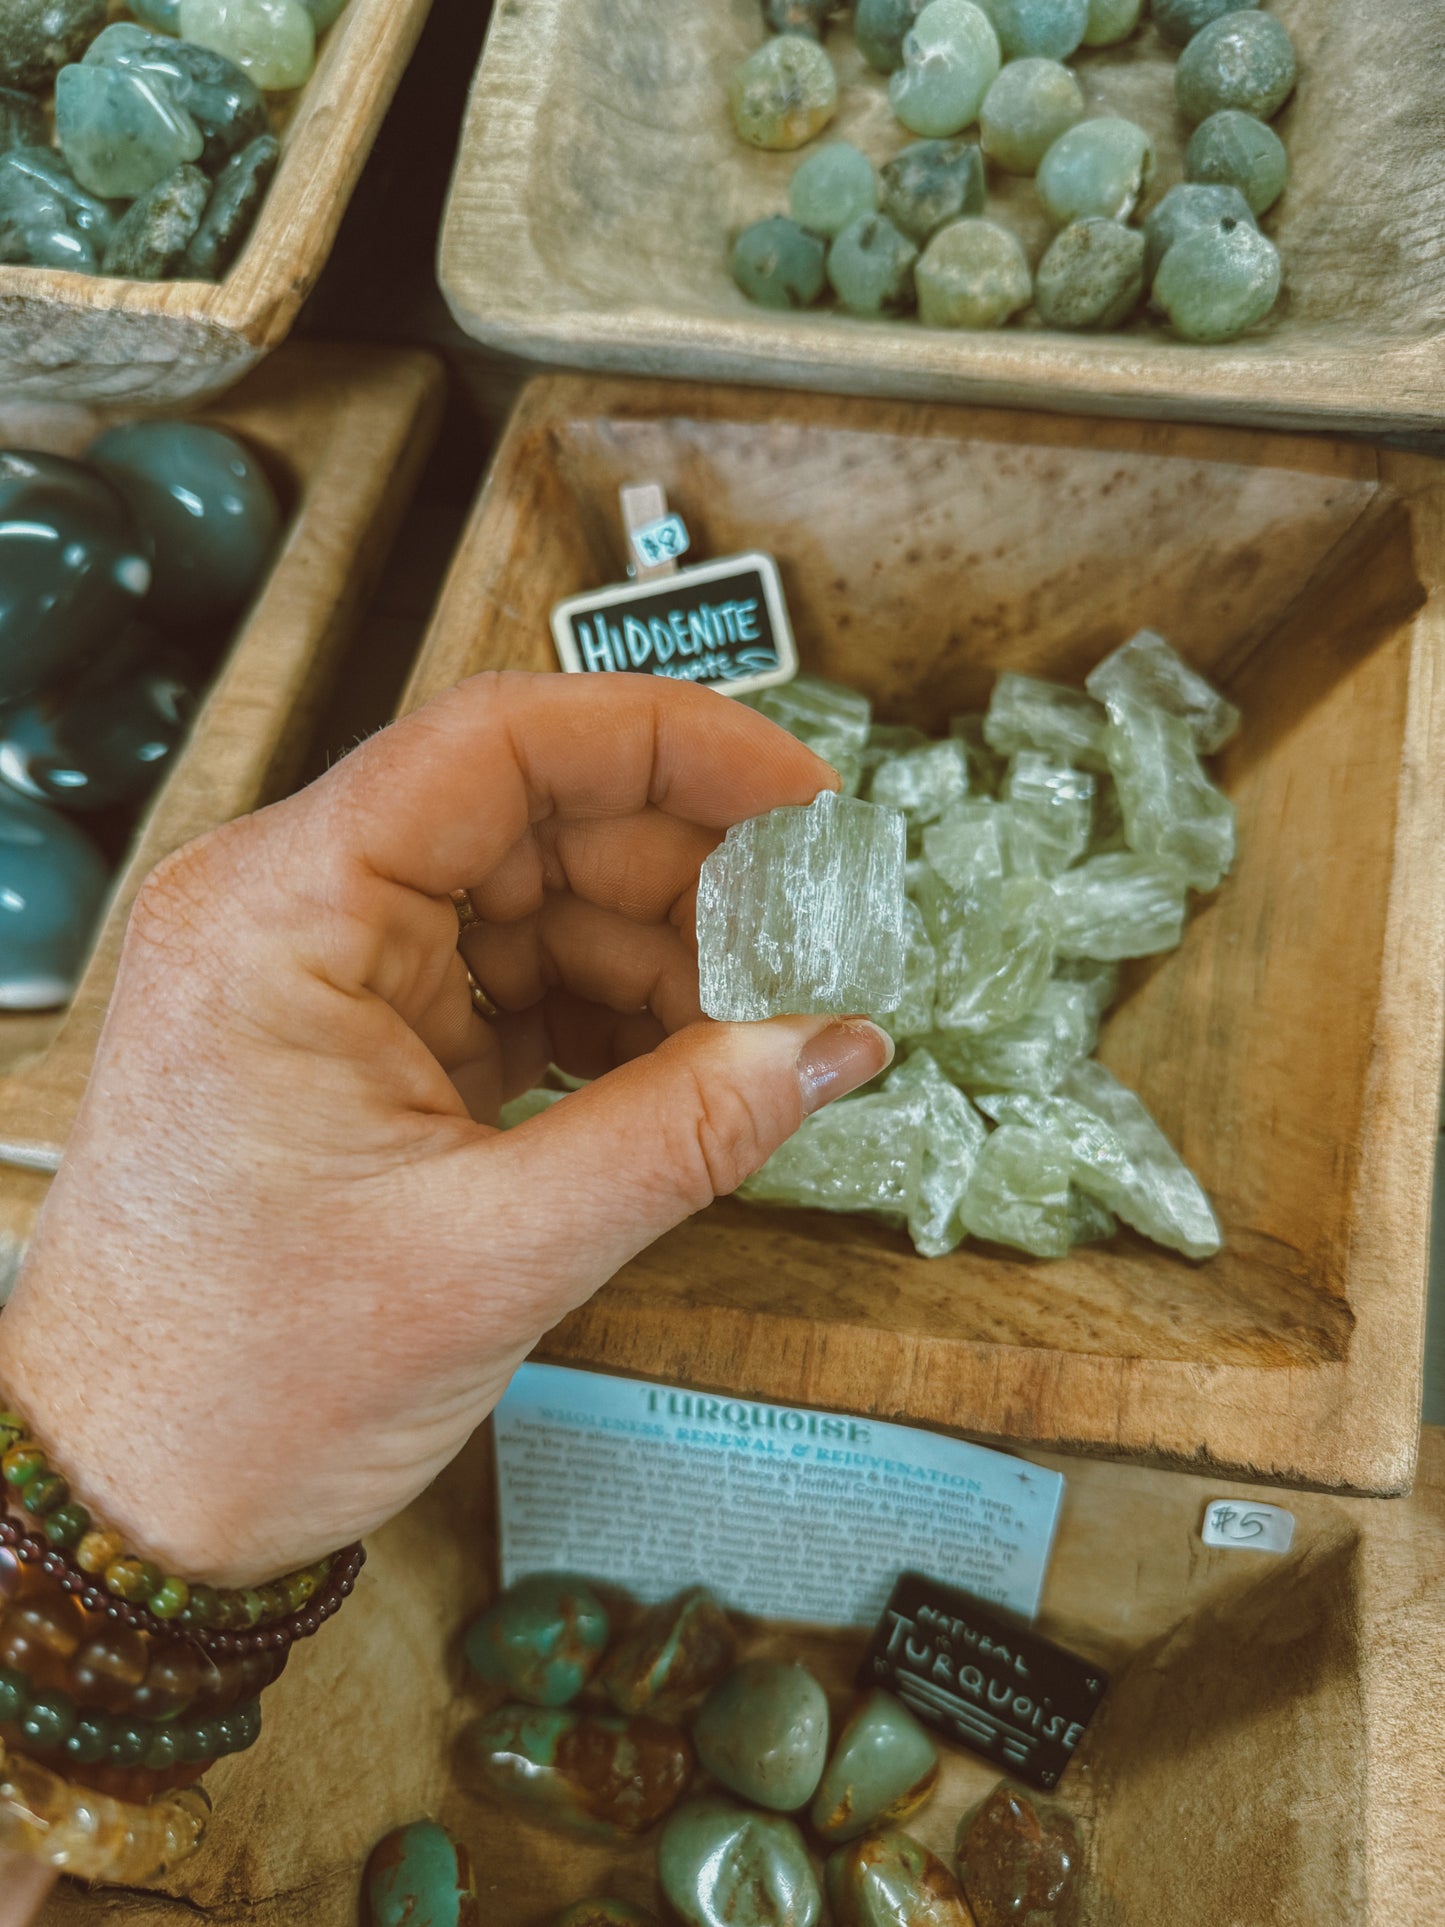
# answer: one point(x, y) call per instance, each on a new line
point(235, 200)
point(929, 184)
point(1242, 60)
point(596, 1775)
point(603, 1912)
point(1111, 21)
point(419, 1876)
point(1218, 282)
point(274, 41)
point(720, 1865)
point(879, 27)
point(1179, 20)
point(1092, 275)
point(1119, 905)
point(763, 1734)
point(972, 274)
point(779, 264)
point(1099, 167)
point(784, 93)
point(1173, 814)
point(38, 227)
point(887, 1879)
point(678, 1651)
point(913, 1014)
point(1146, 670)
point(870, 267)
point(542, 1640)
point(1048, 28)
point(323, 12)
point(1057, 803)
point(156, 231)
point(120, 133)
point(22, 120)
point(1233, 149)
point(1034, 1053)
point(883, 1768)
point(953, 1133)
point(222, 101)
point(921, 782)
point(950, 60)
point(995, 960)
point(1028, 713)
point(53, 882)
point(831, 188)
point(1025, 111)
point(163, 15)
point(1019, 1194)
point(1184, 210)
point(85, 213)
point(39, 37)
point(859, 1154)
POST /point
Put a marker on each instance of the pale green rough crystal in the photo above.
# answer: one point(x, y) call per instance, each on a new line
point(1185, 208)
point(801, 910)
point(913, 1014)
point(274, 41)
point(1051, 28)
point(973, 274)
point(858, 1154)
point(953, 1136)
point(1033, 1054)
point(831, 188)
point(964, 849)
point(987, 768)
point(1028, 713)
point(1173, 814)
point(1118, 905)
point(994, 963)
point(1111, 21)
point(521, 1110)
point(887, 740)
point(921, 782)
point(832, 720)
point(1025, 111)
point(1146, 670)
point(930, 183)
point(1218, 282)
point(1092, 276)
point(950, 60)
point(1019, 1193)
point(783, 94)
point(1099, 981)
point(1056, 801)
point(1107, 834)
point(1243, 60)
point(120, 132)
point(870, 266)
point(1099, 167)
point(1233, 149)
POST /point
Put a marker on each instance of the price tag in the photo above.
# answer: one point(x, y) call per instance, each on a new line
point(1253, 1528)
point(661, 541)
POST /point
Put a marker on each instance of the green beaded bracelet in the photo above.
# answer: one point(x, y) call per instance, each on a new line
point(50, 1722)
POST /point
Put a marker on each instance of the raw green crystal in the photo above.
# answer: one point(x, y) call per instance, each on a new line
point(1025, 111)
point(720, 1865)
point(887, 1879)
point(1092, 275)
point(929, 184)
point(858, 1154)
point(921, 782)
point(274, 41)
point(783, 94)
point(224, 104)
point(1099, 982)
point(887, 740)
point(1050, 28)
point(870, 266)
point(883, 1767)
point(158, 228)
point(1099, 167)
point(950, 60)
point(119, 132)
point(963, 849)
point(987, 768)
point(1056, 801)
point(1019, 1193)
point(953, 1134)
point(1179, 20)
point(1243, 60)
point(1185, 209)
point(995, 960)
point(913, 1014)
point(833, 721)
point(39, 37)
point(1028, 713)
point(973, 274)
point(1173, 814)
point(779, 264)
point(801, 910)
point(1107, 835)
point(879, 27)
point(1218, 281)
point(1033, 1054)
point(831, 188)
point(22, 120)
point(1146, 670)
point(521, 1110)
point(1119, 905)
point(1111, 21)
point(1233, 149)
point(235, 200)
point(763, 1733)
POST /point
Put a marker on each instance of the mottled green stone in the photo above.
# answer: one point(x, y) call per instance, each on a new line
point(1119, 905)
point(419, 1876)
point(1218, 282)
point(1051, 29)
point(784, 93)
point(879, 27)
point(887, 1879)
point(1173, 814)
point(222, 101)
point(859, 1154)
point(39, 37)
point(120, 133)
point(953, 1133)
point(1243, 60)
point(950, 60)
point(1233, 149)
point(324, 12)
point(921, 782)
point(763, 1734)
point(1092, 276)
point(1057, 803)
point(972, 274)
point(542, 1640)
point(678, 1651)
point(596, 1775)
point(53, 883)
point(831, 188)
point(235, 201)
point(1185, 209)
point(274, 41)
point(883, 1768)
point(153, 235)
point(1034, 1053)
point(22, 120)
point(1026, 712)
point(870, 267)
point(38, 226)
point(779, 264)
point(1099, 167)
point(163, 15)
point(1179, 20)
point(1111, 21)
point(1145, 669)
point(995, 959)
point(1025, 111)
point(929, 184)
point(604, 1912)
point(720, 1865)
point(44, 171)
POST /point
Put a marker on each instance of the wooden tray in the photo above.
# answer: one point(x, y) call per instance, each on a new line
point(93, 338)
point(599, 182)
point(1291, 1048)
point(1266, 1756)
point(344, 432)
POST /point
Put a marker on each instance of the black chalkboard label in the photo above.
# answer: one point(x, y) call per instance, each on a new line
point(982, 1681)
point(725, 624)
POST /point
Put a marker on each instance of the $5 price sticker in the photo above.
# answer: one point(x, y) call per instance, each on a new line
point(1253, 1528)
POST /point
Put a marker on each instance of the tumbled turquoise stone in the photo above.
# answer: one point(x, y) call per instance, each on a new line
point(208, 509)
point(163, 15)
point(879, 27)
point(1048, 28)
point(1179, 20)
point(1219, 281)
point(677, 1651)
point(73, 568)
point(929, 184)
point(950, 60)
point(1184, 209)
point(542, 1640)
point(596, 1775)
point(1234, 149)
point(119, 132)
point(870, 266)
point(22, 120)
point(721, 1866)
point(420, 1876)
point(235, 201)
point(764, 1733)
point(274, 41)
point(1243, 60)
point(832, 187)
point(225, 105)
point(53, 884)
point(38, 37)
point(883, 1768)
point(1025, 111)
point(1098, 167)
point(154, 233)
point(888, 1879)
point(779, 264)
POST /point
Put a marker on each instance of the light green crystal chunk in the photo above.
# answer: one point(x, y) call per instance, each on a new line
point(1099, 167)
point(887, 740)
point(1146, 670)
point(1020, 1192)
point(1028, 713)
point(274, 41)
point(1218, 282)
point(870, 266)
point(964, 849)
point(973, 274)
point(1243, 60)
point(119, 132)
point(913, 1014)
point(1050, 28)
point(1098, 981)
point(995, 960)
point(783, 94)
point(921, 782)
point(1056, 802)
point(801, 910)
point(953, 1136)
point(1173, 814)
point(832, 720)
point(1111, 21)
point(987, 768)
point(1025, 111)
point(1233, 149)
point(831, 188)
point(950, 60)
point(859, 1154)
point(1118, 905)
point(1033, 1054)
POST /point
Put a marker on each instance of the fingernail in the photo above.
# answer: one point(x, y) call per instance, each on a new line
point(839, 1059)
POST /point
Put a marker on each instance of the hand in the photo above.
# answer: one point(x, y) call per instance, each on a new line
point(289, 1263)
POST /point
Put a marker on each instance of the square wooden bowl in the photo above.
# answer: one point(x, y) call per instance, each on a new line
point(98, 339)
point(1265, 1756)
point(1291, 1048)
point(343, 431)
point(599, 184)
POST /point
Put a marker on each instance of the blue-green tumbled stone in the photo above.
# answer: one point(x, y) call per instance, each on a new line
point(207, 508)
point(46, 217)
point(106, 735)
point(1098, 167)
point(155, 231)
point(542, 1640)
point(1051, 29)
point(53, 885)
point(38, 37)
point(73, 568)
point(1234, 149)
point(224, 103)
point(120, 133)
point(323, 12)
point(879, 27)
point(593, 1774)
point(870, 266)
point(235, 201)
point(888, 1879)
point(832, 187)
point(883, 1768)
point(1179, 20)
point(721, 1866)
point(1242, 60)
point(163, 15)
point(764, 1733)
point(1218, 281)
point(1190, 205)
point(22, 120)
point(779, 264)
point(930, 183)
point(419, 1876)
point(1092, 275)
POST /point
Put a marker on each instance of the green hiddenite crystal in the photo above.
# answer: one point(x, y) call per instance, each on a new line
point(921, 782)
point(158, 228)
point(720, 1865)
point(22, 120)
point(1184, 210)
point(1243, 60)
point(779, 264)
point(913, 1015)
point(1111, 21)
point(831, 188)
point(833, 721)
point(784, 93)
point(274, 41)
point(1057, 802)
point(986, 766)
point(1098, 981)
point(884, 1767)
point(973, 274)
point(224, 104)
point(1028, 713)
point(1025, 111)
point(887, 740)
point(542, 1640)
point(1173, 814)
point(950, 60)
point(801, 910)
point(953, 1133)
point(1033, 1054)
point(1233, 149)
point(1099, 167)
point(1119, 905)
point(859, 1154)
point(38, 38)
point(1048, 28)
point(119, 132)
point(994, 959)
point(870, 266)
point(1146, 670)
point(965, 847)
point(1092, 275)
point(763, 1733)
point(929, 184)
point(235, 200)
point(887, 1879)
point(879, 27)
point(1218, 282)
point(1179, 20)
point(1020, 1192)
point(521, 1110)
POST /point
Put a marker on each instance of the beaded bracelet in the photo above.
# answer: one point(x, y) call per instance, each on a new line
point(88, 1834)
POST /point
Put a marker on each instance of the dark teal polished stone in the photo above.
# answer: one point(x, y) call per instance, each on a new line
point(419, 1876)
point(235, 201)
point(120, 133)
point(47, 219)
point(721, 1865)
point(158, 228)
point(74, 566)
point(542, 1640)
point(224, 103)
point(106, 735)
point(53, 884)
point(86, 212)
point(764, 1733)
point(22, 120)
point(38, 37)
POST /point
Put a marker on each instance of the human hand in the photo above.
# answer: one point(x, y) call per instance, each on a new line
point(288, 1263)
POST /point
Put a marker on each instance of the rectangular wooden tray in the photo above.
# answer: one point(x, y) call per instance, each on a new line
point(93, 338)
point(344, 432)
point(1291, 1047)
point(599, 183)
